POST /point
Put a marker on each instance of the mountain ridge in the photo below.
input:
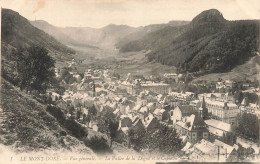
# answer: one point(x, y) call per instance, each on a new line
point(208, 44)
point(86, 36)
point(106, 37)
point(19, 33)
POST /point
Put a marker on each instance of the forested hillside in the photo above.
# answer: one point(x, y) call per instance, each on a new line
point(143, 31)
point(208, 44)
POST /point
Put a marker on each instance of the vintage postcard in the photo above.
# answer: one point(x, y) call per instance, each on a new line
point(129, 81)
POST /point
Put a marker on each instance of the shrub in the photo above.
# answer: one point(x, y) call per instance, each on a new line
point(71, 125)
point(57, 113)
point(63, 133)
point(76, 129)
point(98, 145)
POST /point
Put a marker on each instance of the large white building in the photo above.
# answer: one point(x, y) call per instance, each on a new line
point(159, 88)
point(137, 87)
point(224, 111)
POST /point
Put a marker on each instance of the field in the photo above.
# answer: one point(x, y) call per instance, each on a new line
point(131, 62)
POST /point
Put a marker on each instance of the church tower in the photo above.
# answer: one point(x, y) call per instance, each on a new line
point(203, 110)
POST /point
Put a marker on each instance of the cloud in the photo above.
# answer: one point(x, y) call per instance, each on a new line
point(40, 4)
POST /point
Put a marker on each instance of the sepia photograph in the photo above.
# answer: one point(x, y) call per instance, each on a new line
point(129, 81)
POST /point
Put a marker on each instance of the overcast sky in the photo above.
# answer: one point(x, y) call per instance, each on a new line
point(99, 13)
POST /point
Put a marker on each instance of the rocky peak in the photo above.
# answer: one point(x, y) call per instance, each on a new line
point(212, 16)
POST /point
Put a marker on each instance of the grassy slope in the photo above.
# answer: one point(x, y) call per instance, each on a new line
point(24, 119)
point(249, 70)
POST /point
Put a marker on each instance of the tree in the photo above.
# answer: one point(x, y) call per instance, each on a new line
point(71, 109)
point(86, 118)
point(252, 97)
point(238, 96)
point(247, 126)
point(49, 99)
point(136, 137)
point(35, 69)
point(78, 114)
point(76, 129)
point(93, 110)
point(108, 123)
point(58, 88)
point(113, 126)
point(163, 140)
point(243, 153)
point(66, 76)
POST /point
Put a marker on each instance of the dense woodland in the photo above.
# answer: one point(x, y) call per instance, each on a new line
point(247, 126)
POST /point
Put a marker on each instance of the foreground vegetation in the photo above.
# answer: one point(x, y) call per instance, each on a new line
point(29, 127)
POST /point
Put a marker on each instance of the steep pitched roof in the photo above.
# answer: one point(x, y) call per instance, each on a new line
point(187, 110)
point(206, 147)
point(244, 102)
point(199, 122)
point(148, 120)
point(116, 111)
point(143, 109)
point(156, 111)
point(136, 122)
point(191, 122)
point(228, 148)
point(203, 104)
point(186, 122)
point(219, 125)
point(137, 107)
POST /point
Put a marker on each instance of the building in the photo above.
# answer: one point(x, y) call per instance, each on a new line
point(184, 97)
point(249, 107)
point(93, 125)
point(129, 87)
point(193, 127)
point(143, 112)
point(159, 88)
point(172, 101)
point(161, 114)
point(172, 76)
point(134, 87)
point(195, 103)
point(137, 123)
point(205, 151)
point(182, 111)
point(224, 111)
point(229, 152)
point(150, 123)
point(228, 84)
point(220, 130)
point(223, 97)
point(125, 121)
